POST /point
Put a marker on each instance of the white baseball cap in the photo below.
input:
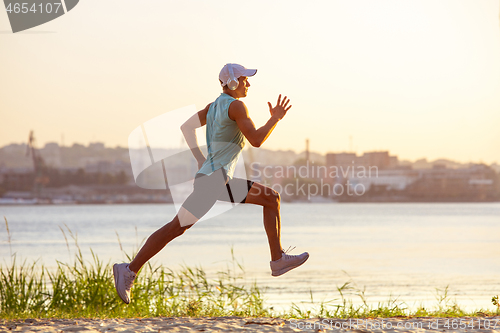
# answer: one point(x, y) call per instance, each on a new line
point(238, 71)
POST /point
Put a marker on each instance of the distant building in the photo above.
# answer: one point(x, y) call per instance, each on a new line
point(52, 155)
point(477, 183)
point(341, 160)
point(388, 180)
point(379, 159)
point(96, 146)
point(20, 179)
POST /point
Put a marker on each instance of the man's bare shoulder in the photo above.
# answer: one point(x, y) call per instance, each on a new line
point(237, 109)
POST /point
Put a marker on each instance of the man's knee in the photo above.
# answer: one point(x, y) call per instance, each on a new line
point(184, 229)
point(273, 198)
point(178, 228)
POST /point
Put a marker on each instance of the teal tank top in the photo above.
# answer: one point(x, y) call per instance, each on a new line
point(224, 138)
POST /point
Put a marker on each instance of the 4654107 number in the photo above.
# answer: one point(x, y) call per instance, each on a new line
point(40, 8)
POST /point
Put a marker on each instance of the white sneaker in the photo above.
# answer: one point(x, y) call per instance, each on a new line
point(287, 262)
point(124, 279)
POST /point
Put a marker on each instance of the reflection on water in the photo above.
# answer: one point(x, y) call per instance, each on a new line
point(403, 250)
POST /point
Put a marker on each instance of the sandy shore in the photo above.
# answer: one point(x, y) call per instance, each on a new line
point(237, 324)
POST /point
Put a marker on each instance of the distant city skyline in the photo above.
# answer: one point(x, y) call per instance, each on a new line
point(418, 78)
point(101, 145)
point(100, 174)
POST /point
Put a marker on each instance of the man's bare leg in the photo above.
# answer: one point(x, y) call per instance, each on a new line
point(125, 274)
point(161, 237)
point(270, 200)
point(157, 241)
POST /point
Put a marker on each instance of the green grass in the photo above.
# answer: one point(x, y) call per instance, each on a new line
point(344, 308)
point(85, 289)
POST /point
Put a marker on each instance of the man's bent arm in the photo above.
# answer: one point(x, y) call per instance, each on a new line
point(239, 113)
point(188, 129)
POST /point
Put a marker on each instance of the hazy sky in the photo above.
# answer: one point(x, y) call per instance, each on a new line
point(420, 78)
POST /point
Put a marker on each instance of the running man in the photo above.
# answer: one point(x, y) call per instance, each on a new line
point(228, 124)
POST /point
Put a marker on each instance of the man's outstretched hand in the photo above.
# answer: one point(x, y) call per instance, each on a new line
point(281, 108)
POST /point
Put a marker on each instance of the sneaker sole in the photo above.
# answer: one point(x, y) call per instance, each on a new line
point(284, 270)
point(115, 274)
